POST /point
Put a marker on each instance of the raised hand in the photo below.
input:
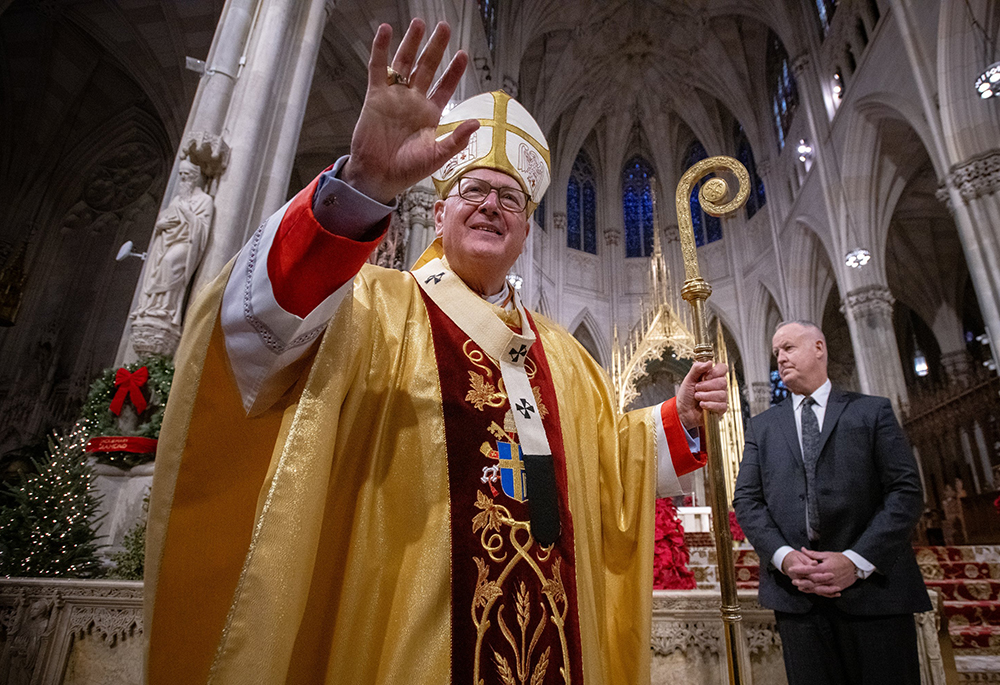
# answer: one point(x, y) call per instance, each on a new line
point(394, 144)
point(704, 387)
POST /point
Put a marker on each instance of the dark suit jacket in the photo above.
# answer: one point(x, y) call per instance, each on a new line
point(869, 501)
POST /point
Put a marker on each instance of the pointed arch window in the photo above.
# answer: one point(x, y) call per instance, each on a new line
point(781, 86)
point(637, 205)
point(744, 153)
point(707, 228)
point(581, 206)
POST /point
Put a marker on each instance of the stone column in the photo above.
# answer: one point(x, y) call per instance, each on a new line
point(242, 131)
point(775, 208)
point(811, 100)
point(417, 208)
point(869, 317)
point(950, 336)
point(760, 398)
point(972, 194)
point(254, 117)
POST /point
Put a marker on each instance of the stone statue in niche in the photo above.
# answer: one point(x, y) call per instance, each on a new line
point(179, 239)
point(28, 636)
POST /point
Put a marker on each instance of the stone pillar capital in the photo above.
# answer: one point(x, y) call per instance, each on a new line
point(977, 176)
point(866, 300)
point(800, 64)
point(612, 236)
point(559, 221)
point(418, 203)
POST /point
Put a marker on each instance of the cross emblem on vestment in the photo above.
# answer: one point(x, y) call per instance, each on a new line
point(434, 277)
point(525, 408)
point(516, 354)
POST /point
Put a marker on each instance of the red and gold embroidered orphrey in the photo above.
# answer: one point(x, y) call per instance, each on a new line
point(514, 603)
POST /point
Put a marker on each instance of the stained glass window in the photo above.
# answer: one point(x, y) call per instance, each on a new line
point(707, 228)
point(488, 12)
point(539, 215)
point(589, 218)
point(744, 154)
point(581, 206)
point(824, 14)
point(778, 389)
point(781, 84)
point(637, 206)
point(573, 213)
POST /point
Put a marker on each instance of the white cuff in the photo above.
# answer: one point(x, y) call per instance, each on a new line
point(262, 339)
point(668, 483)
point(864, 566)
point(779, 556)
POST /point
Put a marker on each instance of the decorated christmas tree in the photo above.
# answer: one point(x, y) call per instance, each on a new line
point(46, 525)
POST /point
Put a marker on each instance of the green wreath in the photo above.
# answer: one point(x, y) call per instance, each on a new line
point(104, 422)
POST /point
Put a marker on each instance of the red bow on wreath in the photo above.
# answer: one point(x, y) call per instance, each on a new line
point(130, 384)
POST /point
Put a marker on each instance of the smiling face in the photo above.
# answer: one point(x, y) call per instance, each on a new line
point(801, 353)
point(481, 241)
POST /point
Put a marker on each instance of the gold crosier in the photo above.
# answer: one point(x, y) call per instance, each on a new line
point(695, 291)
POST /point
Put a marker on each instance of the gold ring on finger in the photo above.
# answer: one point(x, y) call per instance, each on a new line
point(394, 78)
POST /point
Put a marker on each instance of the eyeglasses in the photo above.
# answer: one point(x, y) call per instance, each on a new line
point(475, 191)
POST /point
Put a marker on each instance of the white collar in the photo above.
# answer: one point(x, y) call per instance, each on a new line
point(502, 299)
point(820, 395)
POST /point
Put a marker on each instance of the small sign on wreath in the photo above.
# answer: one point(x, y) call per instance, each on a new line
point(125, 410)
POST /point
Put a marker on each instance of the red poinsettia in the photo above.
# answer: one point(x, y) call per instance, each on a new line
point(670, 554)
point(734, 528)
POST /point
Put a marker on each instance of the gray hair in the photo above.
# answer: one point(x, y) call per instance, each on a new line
point(805, 324)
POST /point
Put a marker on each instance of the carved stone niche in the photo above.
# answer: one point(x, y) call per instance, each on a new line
point(689, 645)
point(70, 631)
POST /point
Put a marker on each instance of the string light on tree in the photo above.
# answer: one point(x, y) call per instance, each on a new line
point(47, 530)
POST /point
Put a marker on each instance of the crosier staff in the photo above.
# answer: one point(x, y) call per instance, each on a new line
point(695, 291)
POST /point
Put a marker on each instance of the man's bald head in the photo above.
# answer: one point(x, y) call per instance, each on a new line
point(800, 347)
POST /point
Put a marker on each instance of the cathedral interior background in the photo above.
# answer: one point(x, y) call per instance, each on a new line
point(874, 161)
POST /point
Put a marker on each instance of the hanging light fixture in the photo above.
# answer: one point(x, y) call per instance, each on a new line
point(857, 258)
point(988, 83)
point(805, 150)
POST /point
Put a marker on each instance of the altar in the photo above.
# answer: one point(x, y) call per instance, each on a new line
point(85, 632)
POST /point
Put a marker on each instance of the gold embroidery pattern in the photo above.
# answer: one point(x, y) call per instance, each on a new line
point(490, 523)
point(480, 359)
point(483, 393)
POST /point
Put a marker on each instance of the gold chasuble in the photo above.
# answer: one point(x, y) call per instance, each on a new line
point(372, 525)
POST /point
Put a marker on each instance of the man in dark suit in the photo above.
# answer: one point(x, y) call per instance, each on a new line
point(828, 494)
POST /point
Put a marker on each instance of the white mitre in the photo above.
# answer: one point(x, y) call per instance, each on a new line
point(508, 140)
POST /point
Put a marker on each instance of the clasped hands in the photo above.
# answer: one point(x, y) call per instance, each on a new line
point(821, 573)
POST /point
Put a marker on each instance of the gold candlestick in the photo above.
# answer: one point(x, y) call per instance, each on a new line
point(695, 291)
